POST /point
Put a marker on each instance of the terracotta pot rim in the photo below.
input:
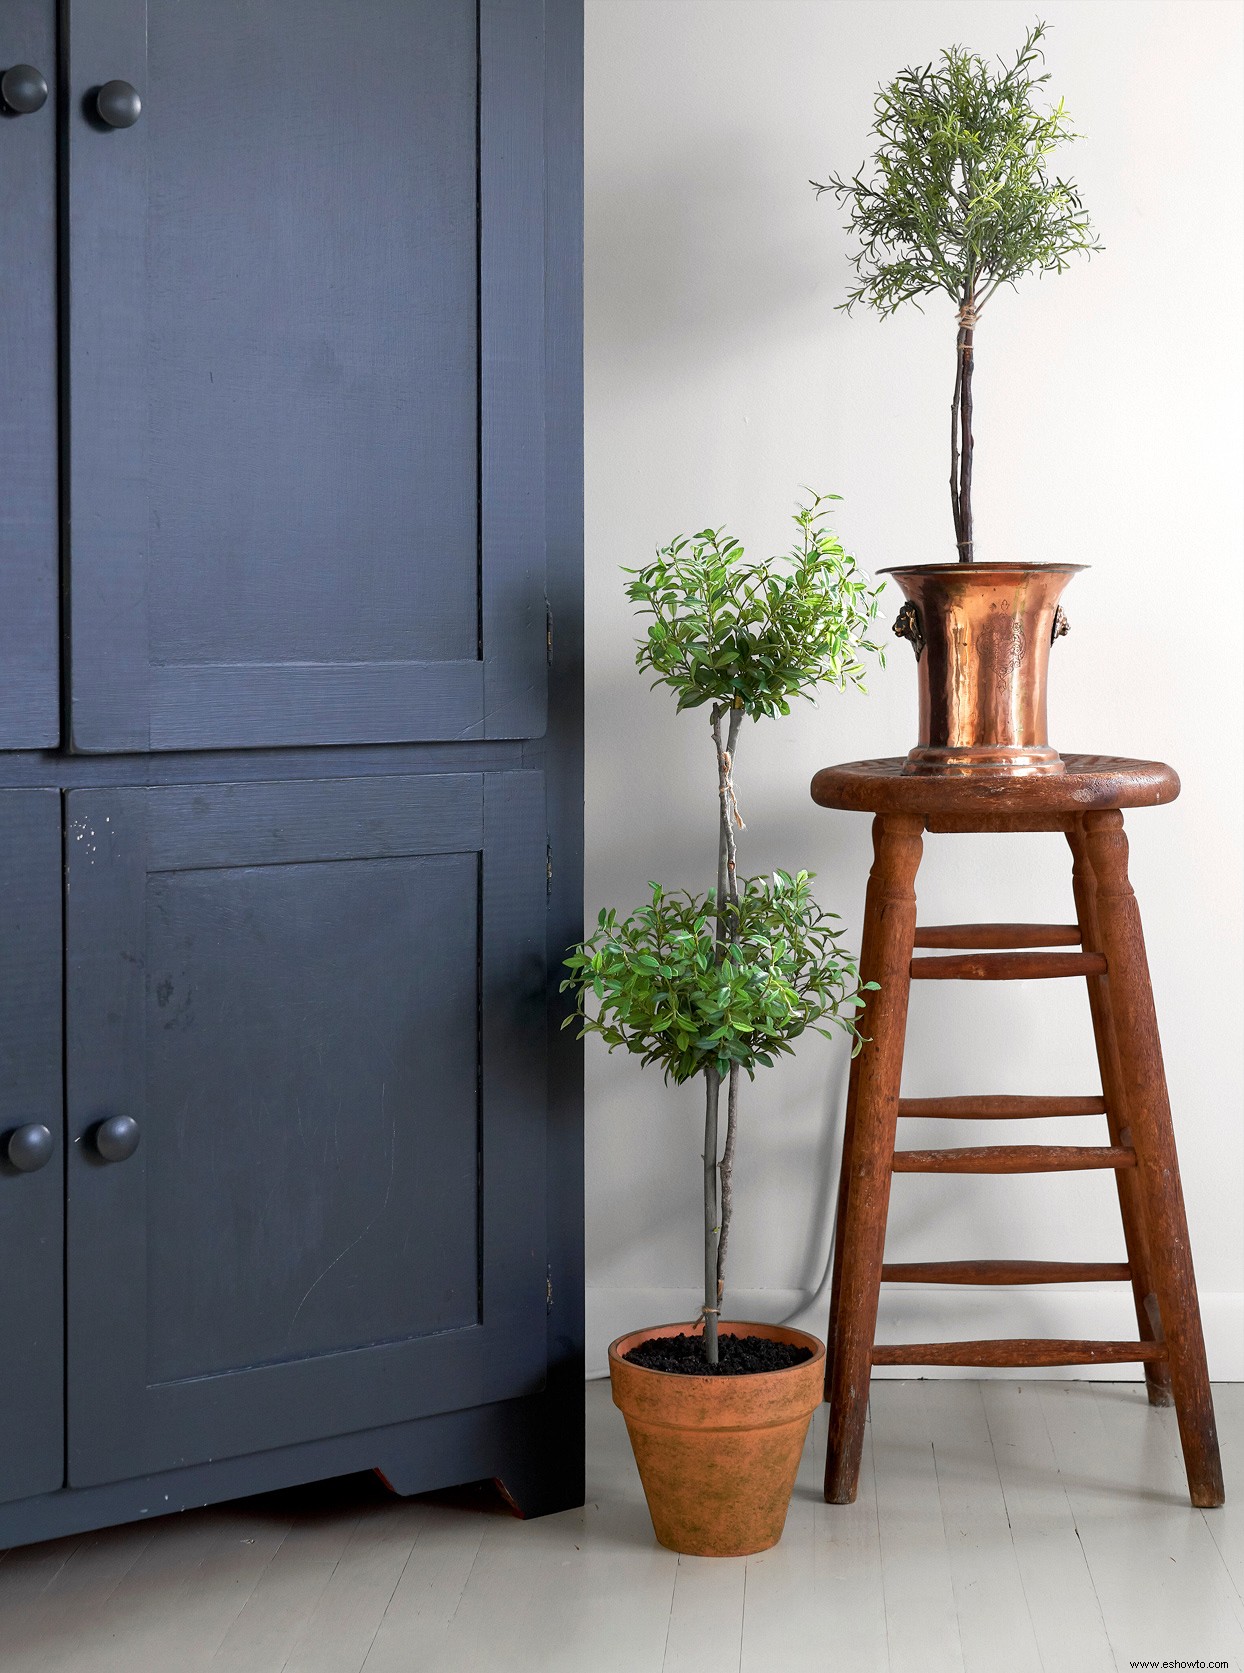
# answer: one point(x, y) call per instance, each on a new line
point(727, 1327)
point(978, 567)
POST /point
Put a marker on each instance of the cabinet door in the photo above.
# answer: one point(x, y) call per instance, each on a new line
point(305, 373)
point(32, 1436)
point(29, 517)
point(322, 1006)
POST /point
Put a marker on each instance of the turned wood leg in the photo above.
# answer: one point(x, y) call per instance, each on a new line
point(868, 956)
point(1148, 1111)
point(872, 1115)
point(840, 1215)
point(1131, 1205)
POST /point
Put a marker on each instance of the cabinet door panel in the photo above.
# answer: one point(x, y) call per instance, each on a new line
point(306, 349)
point(29, 518)
point(32, 1436)
point(322, 1005)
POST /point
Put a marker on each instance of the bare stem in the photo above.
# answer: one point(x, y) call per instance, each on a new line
point(955, 508)
point(727, 820)
point(730, 811)
point(717, 1176)
point(712, 1220)
point(727, 1178)
point(723, 850)
point(961, 440)
point(966, 543)
point(712, 1079)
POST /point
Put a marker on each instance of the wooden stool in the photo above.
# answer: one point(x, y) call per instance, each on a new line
point(1084, 803)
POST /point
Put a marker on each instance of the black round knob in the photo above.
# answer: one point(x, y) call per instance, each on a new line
point(30, 1148)
point(118, 104)
point(117, 1138)
point(23, 89)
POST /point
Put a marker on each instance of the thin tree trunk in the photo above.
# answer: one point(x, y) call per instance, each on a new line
point(717, 1174)
point(712, 1219)
point(956, 509)
point(966, 546)
point(727, 815)
point(727, 1178)
point(961, 440)
point(723, 837)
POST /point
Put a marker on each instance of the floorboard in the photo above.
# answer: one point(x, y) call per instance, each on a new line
point(1040, 1527)
point(428, 1593)
point(1226, 1525)
point(816, 1600)
point(1066, 1612)
point(991, 1603)
point(589, 1589)
point(921, 1618)
point(46, 1631)
point(287, 1593)
point(705, 1630)
point(338, 1635)
point(1164, 1590)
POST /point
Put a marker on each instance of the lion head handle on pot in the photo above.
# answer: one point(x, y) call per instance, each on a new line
point(907, 626)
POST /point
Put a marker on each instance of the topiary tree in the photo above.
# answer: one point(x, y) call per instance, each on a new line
point(962, 200)
point(723, 983)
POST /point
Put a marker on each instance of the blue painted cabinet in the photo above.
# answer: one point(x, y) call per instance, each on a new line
point(29, 509)
point(290, 739)
point(306, 374)
point(32, 1158)
point(321, 1004)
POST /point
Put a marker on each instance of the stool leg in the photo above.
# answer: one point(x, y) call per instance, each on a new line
point(868, 959)
point(1153, 1138)
point(1131, 1206)
point(868, 962)
point(872, 1115)
point(840, 1215)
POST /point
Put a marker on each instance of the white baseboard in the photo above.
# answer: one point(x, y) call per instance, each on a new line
point(915, 1313)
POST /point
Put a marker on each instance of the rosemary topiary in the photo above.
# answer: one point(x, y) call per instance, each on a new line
point(962, 199)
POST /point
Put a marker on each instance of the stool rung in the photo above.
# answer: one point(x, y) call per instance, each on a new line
point(1005, 1272)
point(1006, 967)
point(1002, 1107)
point(1014, 1158)
point(1021, 1351)
point(998, 935)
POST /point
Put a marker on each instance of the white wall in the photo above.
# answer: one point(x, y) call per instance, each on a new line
point(719, 378)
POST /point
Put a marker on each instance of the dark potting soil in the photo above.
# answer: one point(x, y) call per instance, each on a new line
point(737, 1356)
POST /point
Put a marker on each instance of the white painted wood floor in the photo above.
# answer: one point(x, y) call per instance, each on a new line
point(1000, 1528)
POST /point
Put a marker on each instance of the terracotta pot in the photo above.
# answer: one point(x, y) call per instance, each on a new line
point(982, 634)
point(718, 1456)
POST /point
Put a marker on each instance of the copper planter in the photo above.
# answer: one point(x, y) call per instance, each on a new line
point(982, 634)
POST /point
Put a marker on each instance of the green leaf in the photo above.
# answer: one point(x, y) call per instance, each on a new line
point(651, 982)
point(754, 635)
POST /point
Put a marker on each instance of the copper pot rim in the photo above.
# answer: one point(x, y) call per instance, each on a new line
point(727, 1327)
point(977, 567)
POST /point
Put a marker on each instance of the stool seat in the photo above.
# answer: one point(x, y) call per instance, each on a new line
point(1090, 781)
point(1084, 803)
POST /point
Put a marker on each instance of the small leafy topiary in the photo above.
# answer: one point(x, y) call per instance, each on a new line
point(664, 990)
point(754, 635)
point(726, 982)
point(962, 200)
